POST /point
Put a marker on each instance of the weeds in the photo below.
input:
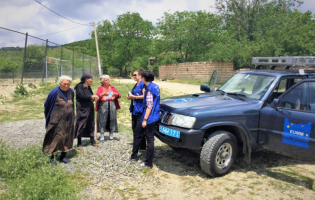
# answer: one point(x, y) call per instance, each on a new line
point(20, 90)
point(31, 85)
point(29, 175)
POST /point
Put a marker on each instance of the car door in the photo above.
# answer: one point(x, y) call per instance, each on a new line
point(287, 125)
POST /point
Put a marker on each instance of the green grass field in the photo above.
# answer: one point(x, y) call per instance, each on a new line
point(25, 172)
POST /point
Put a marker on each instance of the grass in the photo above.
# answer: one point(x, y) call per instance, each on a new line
point(28, 175)
point(26, 172)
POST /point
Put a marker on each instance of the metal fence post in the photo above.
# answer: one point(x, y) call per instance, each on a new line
point(72, 63)
point(83, 65)
point(45, 64)
point(24, 58)
point(60, 60)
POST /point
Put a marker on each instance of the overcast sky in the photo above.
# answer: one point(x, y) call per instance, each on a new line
point(29, 16)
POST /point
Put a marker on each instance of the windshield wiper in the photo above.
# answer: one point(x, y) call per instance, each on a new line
point(238, 95)
point(221, 91)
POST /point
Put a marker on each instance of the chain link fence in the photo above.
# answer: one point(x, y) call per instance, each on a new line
point(29, 59)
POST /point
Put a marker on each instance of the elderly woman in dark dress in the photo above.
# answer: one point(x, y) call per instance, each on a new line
point(106, 108)
point(84, 126)
point(59, 114)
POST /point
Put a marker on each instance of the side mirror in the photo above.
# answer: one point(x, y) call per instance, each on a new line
point(275, 104)
point(213, 80)
point(205, 88)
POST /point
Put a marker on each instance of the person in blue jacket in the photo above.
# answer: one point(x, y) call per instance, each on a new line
point(59, 114)
point(151, 115)
point(136, 108)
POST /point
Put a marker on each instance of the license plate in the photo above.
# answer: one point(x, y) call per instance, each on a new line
point(169, 132)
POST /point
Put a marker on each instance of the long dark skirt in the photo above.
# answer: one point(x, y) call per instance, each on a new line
point(85, 124)
point(59, 132)
point(107, 117)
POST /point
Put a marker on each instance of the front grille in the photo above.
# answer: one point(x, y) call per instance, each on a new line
point(167, 118)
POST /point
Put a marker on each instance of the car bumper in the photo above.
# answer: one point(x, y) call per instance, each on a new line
point(189, 138)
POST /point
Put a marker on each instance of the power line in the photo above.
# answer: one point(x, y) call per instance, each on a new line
point(39, 36)
point(32, 36)
point(63, 16)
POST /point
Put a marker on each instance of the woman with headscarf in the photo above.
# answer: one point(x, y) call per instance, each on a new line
point(84, 126)
point(59, 114)
point(106, 108)
point(136, 108)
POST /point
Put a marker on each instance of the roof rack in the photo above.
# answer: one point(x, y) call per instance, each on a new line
point(294, 61)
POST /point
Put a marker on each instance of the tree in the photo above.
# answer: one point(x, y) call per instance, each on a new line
point(124, 40)
point(185, 35)
point(248, 16)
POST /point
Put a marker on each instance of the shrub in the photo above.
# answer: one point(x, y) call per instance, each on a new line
point(31, 85)
point(20, 90)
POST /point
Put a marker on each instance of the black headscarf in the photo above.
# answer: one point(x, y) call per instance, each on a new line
point(83, 78)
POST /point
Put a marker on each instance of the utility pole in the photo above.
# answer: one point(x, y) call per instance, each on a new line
point(97, 51)
point(24, 58)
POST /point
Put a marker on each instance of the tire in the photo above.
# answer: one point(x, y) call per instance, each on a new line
point(218, 153)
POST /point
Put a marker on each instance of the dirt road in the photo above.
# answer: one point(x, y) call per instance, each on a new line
point(168, 87)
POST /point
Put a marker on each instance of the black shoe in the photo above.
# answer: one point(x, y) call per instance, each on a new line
point(65, 160)
point(54, 163)
point(143, 165)
point(133, 159)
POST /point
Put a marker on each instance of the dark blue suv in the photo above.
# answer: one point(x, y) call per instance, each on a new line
point(254, 110)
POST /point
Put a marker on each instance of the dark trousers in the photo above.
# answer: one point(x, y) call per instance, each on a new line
point(149, 133)
point(138, 131)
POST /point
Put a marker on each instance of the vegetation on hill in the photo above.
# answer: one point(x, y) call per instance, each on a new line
point(238, 31)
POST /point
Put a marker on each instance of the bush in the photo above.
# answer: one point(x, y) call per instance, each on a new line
point(28, 175)
point(20, 90)
point(31, 85)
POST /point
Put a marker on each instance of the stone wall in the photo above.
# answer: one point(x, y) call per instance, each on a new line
point(197, 70)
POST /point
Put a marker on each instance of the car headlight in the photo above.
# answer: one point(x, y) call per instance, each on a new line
point(183, 121)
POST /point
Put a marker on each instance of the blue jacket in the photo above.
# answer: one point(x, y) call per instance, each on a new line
point(155, 112)
point(137, 106)
point(51, 101)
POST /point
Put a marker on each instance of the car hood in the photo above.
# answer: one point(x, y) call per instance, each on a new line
point(203, 101)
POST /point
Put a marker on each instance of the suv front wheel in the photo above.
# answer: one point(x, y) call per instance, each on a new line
point(218, 153)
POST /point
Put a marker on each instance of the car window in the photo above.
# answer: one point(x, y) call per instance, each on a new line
point(296, 99)
point(282, 86)
point(250, 85)
point(312, 96)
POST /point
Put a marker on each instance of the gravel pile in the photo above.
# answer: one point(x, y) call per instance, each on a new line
point(108, 164)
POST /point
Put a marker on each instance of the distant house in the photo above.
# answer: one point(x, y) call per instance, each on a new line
point(151, 61)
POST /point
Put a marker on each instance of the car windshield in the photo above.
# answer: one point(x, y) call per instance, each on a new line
point(248, 85)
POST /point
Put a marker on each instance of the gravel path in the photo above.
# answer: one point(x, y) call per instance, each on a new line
point(108, 164)
point(23, 133)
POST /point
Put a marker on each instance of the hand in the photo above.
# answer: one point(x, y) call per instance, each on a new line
point(144, 124)
point(115, 94)
point(131, 96)
point(128, 97)
point(104, 94)
point(95, 98)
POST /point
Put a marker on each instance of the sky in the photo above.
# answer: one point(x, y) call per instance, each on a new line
point(29, 16)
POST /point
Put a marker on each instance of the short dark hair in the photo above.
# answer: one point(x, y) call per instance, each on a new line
point(148, 75)
point(139, 70)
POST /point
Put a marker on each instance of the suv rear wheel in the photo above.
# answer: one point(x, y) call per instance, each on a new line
point(218, 153)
